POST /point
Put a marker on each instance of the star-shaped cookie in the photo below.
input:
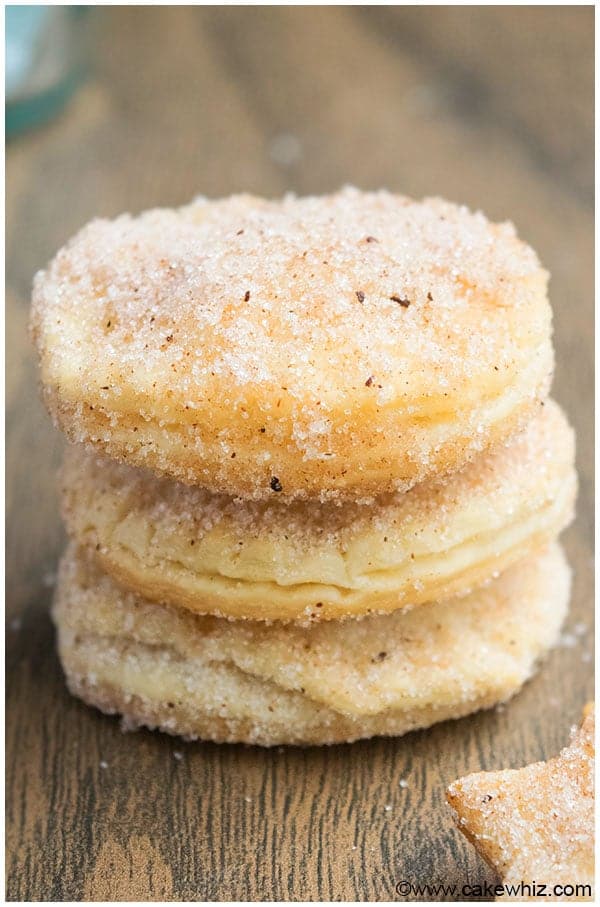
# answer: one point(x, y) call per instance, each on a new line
point(535, 825)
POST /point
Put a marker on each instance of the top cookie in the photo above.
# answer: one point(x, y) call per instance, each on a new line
point(340, 346)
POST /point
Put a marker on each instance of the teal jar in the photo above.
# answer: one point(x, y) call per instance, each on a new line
point(44, 61)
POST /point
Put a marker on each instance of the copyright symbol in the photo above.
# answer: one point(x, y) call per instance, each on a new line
point(403, 887)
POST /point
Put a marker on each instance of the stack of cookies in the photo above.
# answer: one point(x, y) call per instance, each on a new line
point(316, 481)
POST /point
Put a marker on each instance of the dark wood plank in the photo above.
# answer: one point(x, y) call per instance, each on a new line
point(491, 106)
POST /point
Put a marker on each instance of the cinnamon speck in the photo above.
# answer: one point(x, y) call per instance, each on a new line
point(403, 302)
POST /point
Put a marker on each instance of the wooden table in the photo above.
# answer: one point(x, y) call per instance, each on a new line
point(489, 106)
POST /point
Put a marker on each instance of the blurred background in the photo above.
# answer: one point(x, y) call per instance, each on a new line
point(115, 109)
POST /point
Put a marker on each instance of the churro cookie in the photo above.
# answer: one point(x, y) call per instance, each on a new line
point(308, 561)
point(535, 825)
point(343, 346)
point(245, 681)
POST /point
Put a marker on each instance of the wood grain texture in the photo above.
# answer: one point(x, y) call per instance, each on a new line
point(490, 106)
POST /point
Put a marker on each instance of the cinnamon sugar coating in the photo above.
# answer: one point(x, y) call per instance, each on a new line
point(330, 682)
point(344, 346)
